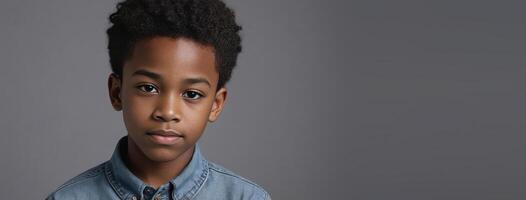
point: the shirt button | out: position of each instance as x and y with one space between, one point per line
134 198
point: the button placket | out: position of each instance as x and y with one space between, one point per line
148 193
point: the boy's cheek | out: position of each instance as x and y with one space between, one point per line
137 107
135 118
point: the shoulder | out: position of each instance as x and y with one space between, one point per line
234 183
81 185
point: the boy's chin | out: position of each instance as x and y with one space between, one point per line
161 154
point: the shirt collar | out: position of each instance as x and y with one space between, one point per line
127 185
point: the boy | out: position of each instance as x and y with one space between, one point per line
170 61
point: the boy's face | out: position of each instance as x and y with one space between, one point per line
167 84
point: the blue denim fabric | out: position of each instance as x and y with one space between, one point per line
201 179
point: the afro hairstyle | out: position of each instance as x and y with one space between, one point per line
209 22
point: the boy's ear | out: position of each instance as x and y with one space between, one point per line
219 103
114 89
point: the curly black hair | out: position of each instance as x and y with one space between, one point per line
208 22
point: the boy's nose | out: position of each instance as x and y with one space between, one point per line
167 109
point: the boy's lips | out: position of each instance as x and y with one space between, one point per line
165 137
167 132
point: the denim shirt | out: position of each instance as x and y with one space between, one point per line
200 179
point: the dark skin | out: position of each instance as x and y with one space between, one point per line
168 83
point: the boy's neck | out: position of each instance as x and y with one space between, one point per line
154 173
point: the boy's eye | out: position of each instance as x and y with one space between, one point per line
148 88
192 94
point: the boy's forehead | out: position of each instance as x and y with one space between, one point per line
157 46
172 57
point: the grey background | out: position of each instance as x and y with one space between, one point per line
331 99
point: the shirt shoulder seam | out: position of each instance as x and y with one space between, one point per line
215 167
87 175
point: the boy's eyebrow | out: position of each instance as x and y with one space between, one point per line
197 80
147 73
156 76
